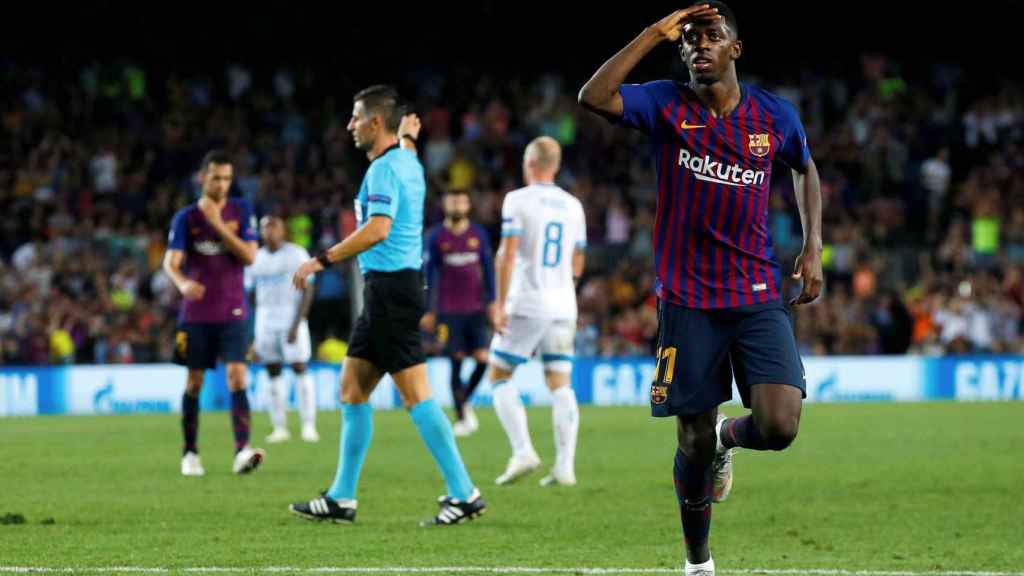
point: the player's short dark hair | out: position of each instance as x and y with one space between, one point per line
384 100
725 12
219 157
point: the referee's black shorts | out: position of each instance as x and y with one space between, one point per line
387 332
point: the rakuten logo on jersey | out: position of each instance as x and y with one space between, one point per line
708 170
461 258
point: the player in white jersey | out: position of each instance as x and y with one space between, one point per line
282 335
543 234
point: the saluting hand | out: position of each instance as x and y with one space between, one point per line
670 27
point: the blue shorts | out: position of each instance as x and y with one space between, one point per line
198 346
700 351
462 332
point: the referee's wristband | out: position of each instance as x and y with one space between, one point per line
323 259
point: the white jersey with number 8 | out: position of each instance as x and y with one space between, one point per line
551 226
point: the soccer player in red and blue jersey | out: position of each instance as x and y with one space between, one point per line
718 282
460 277
211 242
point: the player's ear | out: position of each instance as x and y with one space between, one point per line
737 49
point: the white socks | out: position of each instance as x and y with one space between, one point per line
305 390
512 415
565 415
278 403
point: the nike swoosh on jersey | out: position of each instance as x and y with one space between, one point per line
686 126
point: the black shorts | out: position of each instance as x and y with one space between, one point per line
462 332
699 352
387 332
198 346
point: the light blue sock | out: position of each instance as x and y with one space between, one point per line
436 431
356 432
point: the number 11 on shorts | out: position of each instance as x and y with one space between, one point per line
669 355
660 386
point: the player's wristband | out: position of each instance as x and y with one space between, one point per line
409 137
323 259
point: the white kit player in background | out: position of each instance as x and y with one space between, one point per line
543 234
282 334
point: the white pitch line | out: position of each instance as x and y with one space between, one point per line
479 570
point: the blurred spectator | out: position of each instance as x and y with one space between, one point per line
924 201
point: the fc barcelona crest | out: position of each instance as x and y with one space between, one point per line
659 393
473 243
760 144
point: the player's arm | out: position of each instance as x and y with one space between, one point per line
433 274
243 249
504 262
409 132
487 261
174 259
375 231
301 312
601 93
807 187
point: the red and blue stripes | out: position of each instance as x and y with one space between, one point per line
712 243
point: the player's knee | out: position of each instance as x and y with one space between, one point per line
481 356
274 370
697 440
236 377
779 431
195 382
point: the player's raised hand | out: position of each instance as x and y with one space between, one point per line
209 209
192 290
410 126
301 277
670 27
808 267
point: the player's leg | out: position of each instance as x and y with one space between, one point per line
509 350
358 379
557 354
770 377
298 354
278 405
434 428
477 342
455 383
692 471
692 377
232 344
190 462
192 350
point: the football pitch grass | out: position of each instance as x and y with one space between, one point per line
879 487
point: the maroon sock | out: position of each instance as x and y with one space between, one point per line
240 418
693 490
190 421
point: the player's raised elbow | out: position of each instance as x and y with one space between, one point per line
600 102
589 99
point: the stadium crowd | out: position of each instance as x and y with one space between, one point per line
922 182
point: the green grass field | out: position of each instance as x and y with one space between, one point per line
922 487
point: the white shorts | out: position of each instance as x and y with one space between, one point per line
272 346
554 340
